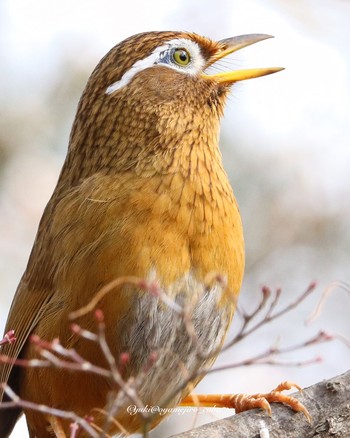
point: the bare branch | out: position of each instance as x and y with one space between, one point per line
18 402
269 315
54 354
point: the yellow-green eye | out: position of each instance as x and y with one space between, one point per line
181 57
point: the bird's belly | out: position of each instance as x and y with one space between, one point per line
170 338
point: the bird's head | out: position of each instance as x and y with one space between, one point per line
152 93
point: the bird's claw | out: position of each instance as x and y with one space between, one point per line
243 402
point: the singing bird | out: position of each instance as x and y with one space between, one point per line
142 193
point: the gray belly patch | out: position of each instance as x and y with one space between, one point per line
181 341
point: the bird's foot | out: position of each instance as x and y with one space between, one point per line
245 402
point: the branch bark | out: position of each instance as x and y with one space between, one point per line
328 403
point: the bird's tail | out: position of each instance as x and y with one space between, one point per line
8 419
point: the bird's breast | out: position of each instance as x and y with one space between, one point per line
131 226
190 224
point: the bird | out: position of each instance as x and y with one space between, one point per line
142 193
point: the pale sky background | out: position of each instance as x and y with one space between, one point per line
287 134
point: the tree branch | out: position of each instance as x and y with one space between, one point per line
328 403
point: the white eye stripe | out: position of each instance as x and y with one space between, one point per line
196 65
139 65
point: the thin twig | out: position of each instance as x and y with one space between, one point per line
18 402
330 289
9 338
269 315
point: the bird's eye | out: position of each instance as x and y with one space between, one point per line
181 57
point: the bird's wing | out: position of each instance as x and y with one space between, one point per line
26 310
64 229
30 300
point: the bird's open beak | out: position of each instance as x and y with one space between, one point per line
231 45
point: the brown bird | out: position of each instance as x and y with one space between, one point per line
142 193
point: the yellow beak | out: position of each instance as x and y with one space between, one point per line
231 45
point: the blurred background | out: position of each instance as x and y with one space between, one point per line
285 141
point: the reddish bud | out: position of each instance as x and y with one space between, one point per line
75 328
89 419
266 291
99 315
324 336
9 338
124 358
154 289
34 339
143 284
153 357
312 285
